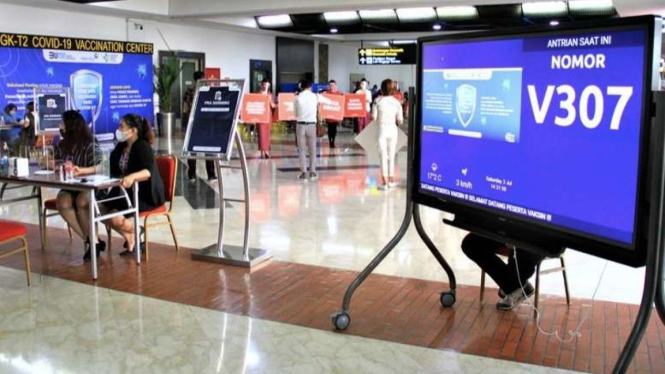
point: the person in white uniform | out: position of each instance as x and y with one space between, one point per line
388 114
306 110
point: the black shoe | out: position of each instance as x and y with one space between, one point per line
210 179
127 252
87 257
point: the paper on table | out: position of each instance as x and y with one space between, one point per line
96 180
369 140
44 172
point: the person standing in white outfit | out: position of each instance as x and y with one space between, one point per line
306 110
388 114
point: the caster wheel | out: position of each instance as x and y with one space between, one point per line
341 320
448 299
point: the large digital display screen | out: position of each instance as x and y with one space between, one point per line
544 127
105 79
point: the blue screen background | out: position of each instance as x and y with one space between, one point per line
29 66
582 179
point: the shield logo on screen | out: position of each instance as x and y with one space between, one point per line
465 103
86 88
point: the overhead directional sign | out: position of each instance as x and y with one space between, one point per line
402 55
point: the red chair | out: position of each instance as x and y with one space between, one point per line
168 168
10 232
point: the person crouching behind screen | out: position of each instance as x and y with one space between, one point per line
513 288
387 113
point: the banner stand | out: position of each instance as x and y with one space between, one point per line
211 132
342 319
232 254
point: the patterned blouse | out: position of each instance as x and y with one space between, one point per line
83 155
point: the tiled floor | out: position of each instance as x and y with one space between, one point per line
60 326
386 308
342 221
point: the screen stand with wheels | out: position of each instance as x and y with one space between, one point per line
655 273
342 319
232 254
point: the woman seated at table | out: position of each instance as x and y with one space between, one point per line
78 145
133 160
9 136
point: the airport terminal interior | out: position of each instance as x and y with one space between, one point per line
187 308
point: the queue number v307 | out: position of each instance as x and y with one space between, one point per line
568 100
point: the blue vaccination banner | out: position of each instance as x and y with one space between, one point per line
105 79
477 103
535 123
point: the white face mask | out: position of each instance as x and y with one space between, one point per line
363 85
120 136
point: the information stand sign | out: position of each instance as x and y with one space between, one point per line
50 104
213 122
210 136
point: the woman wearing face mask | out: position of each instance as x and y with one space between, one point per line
10 134
264 128
363 122
78 145
133 159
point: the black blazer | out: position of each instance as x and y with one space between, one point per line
141 156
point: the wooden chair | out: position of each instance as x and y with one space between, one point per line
168 168
507 252
10 232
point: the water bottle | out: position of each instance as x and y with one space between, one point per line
4 166
106 165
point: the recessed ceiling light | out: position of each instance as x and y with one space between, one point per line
436 27
282 20
457 13
341 17
554 23
378 15
402 42
591 6
416 14
334 30
545 9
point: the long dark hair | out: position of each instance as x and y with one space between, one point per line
141 125
77 132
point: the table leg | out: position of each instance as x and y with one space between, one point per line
93 234
137 229
40 208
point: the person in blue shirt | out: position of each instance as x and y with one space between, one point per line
9 136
